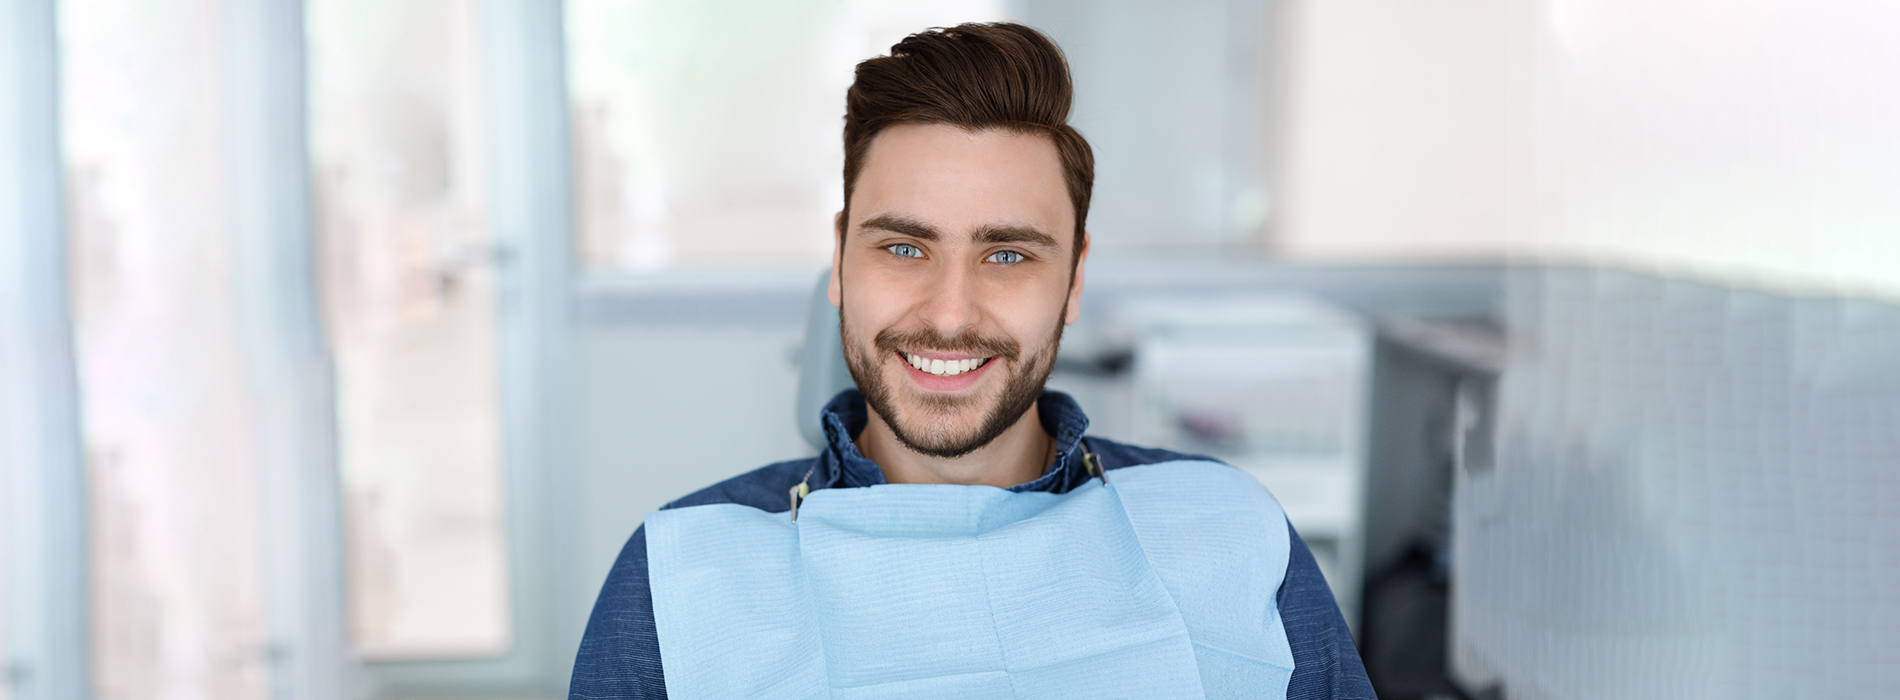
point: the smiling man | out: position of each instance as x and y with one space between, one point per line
960 536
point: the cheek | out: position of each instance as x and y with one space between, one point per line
879 293
869 305
1026 313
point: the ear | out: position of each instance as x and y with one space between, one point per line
833 291
1075 283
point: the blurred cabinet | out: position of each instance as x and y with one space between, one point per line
1274 385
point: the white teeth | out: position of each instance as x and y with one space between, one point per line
943 368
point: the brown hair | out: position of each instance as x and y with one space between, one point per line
975 76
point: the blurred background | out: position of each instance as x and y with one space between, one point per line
343 343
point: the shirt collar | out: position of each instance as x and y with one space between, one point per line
842 466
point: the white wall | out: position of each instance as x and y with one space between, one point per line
1684 500
1750 141
1171 97
1689 496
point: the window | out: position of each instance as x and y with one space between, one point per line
408 284
176 566
710 132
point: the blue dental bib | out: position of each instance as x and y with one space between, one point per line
1160 584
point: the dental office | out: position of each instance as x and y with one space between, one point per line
344 344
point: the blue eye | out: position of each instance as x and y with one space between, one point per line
1006 257
905 250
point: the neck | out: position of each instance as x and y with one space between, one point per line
1017 456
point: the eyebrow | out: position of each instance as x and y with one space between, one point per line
1016 234
995 233
901 225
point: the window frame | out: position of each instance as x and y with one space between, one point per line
42 467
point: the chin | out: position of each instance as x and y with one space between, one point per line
943 422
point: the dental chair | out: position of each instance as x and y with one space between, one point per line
822 372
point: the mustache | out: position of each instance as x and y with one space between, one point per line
893 340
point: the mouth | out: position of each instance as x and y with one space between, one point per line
944 371
945 367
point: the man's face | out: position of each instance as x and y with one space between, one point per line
956 258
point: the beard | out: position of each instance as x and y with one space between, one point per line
936 429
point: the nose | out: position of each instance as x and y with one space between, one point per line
952 306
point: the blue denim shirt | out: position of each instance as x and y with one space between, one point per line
620 652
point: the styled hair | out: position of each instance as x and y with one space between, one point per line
976 76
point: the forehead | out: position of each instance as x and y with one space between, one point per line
959 180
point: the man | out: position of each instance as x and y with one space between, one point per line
959 536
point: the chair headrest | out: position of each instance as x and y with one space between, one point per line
822 373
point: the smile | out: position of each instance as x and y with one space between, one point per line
945 368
